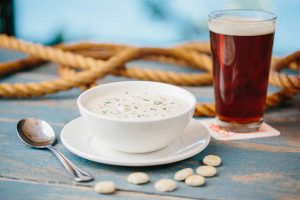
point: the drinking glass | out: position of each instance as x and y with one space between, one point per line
241 45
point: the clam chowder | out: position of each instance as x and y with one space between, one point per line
136 105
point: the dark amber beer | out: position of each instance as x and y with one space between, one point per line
241 48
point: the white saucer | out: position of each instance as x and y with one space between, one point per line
76 138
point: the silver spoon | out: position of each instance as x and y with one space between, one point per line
39 134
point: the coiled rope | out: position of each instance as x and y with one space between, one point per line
82 64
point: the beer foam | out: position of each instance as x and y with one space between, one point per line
241 26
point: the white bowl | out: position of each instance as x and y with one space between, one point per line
140 135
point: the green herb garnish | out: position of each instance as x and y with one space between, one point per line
157 102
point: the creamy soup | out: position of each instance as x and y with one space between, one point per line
136 105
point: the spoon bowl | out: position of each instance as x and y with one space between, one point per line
36 132
39 134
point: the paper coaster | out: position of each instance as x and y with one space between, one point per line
219 134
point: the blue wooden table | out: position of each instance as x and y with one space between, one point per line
265 168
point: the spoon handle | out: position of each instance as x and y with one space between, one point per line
78 174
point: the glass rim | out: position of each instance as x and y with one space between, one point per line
214 15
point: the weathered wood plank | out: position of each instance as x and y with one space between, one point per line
14 189
278 170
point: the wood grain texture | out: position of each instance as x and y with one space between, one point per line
28 190
266 168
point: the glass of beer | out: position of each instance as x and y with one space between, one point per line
241 45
